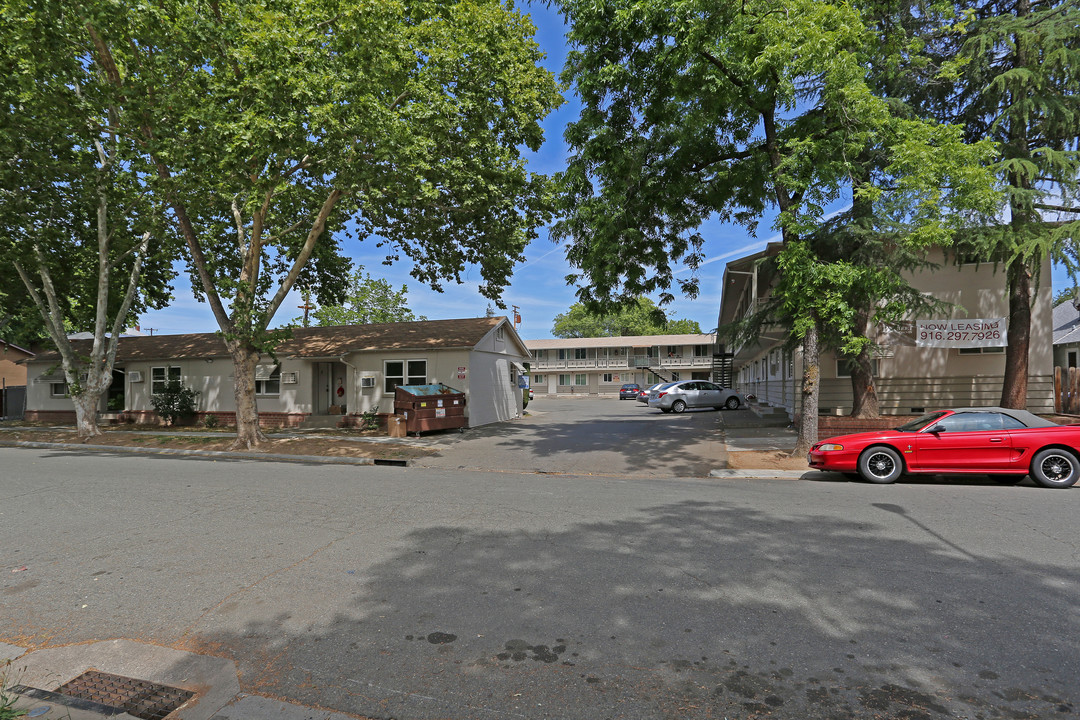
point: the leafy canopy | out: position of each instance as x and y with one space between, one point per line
642 317
368 300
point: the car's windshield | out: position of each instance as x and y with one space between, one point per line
919 423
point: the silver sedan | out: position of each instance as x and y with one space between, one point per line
678 396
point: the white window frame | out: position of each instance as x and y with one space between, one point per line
538 379
169 372
500 333
406 376
264 387
581 379
980 351
607 378
565 379
581 354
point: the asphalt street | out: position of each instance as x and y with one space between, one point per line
448 593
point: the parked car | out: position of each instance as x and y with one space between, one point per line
1005 444
678 396
644 396
629 391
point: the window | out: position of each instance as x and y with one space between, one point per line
1072 358
537 379
500 333
977 422
268 380
674 351
608 378
539 354
58 390
702 350
564 379
674 376
403 372
980 350
159 376
845 366
562 353
581 379
579 353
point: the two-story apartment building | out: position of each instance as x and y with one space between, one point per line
911 374
599 366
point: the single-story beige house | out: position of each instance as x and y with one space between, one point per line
953 359
320 371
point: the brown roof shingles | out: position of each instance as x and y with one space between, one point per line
312 342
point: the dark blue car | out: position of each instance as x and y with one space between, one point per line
629 391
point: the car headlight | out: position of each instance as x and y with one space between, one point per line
830 446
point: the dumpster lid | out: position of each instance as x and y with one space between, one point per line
438 389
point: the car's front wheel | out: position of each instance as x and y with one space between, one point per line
880 465
732 403
1055 468
678 406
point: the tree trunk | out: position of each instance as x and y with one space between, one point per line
1014 384
808 415
245 359
86 406
864 399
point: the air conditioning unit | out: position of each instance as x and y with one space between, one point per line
135 376
367 382
289 378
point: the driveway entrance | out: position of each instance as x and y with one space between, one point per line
594 436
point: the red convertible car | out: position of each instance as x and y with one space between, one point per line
1007 445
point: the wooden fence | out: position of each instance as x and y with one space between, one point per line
1067 390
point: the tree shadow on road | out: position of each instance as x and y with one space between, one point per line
683 610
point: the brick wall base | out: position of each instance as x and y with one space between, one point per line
268 420
829 426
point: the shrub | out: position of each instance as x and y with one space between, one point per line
175 402
210 422
370 419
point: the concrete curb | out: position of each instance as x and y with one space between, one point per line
766 474
222 454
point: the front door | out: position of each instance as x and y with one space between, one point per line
323 390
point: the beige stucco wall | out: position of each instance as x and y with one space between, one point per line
12 374
910 377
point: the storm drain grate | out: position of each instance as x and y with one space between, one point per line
142 699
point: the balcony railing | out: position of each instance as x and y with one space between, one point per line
638 361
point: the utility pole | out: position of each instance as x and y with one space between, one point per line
517 316
306 306
151 331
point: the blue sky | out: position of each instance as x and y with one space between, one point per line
538 287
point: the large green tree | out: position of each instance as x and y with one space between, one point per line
641 317
1018 81
368 300
78 231
695 109
277 128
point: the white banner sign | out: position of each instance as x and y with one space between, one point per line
970 333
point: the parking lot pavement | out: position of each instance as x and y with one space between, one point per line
593 436
759 438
